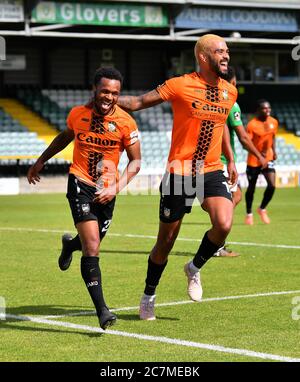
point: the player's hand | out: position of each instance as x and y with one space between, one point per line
232 174
33 172
105 195
264 162
274 156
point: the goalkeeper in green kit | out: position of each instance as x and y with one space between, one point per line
235 126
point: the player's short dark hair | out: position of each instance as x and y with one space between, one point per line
261 101
230 74
110 73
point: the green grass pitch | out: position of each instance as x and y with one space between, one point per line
259 327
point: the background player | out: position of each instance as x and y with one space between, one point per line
262 130
101 131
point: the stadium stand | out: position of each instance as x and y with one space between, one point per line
24 136
50 106
16 139
288 115
155 125
55 104
9 124
21 143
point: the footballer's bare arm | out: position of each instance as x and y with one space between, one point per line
58 144
133 103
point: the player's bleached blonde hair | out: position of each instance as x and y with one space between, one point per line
203 43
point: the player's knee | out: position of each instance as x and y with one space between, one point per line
91 247
167 241
224 226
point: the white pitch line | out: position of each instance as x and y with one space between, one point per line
195 240
172 341
184 302
22 229
265 245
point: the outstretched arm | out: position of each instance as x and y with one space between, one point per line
133 103
246 142
58 144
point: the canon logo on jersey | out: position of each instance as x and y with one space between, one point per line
218 109
95 140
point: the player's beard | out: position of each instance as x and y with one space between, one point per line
98 108
216 68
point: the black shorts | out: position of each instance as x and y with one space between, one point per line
177 193
253 172
80 196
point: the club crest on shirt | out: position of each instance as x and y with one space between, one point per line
85 208
112 127
237 116
269 126
225 94
167 212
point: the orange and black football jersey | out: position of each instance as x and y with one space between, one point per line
200 111
99 142
262 134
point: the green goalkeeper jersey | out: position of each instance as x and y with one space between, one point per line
234 119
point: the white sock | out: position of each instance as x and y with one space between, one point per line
219 250
147 297
192 268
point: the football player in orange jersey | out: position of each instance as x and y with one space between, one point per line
201 102
262 130
101 130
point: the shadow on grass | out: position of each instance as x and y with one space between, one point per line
128 252
10 324
47 310
136 317
207 224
